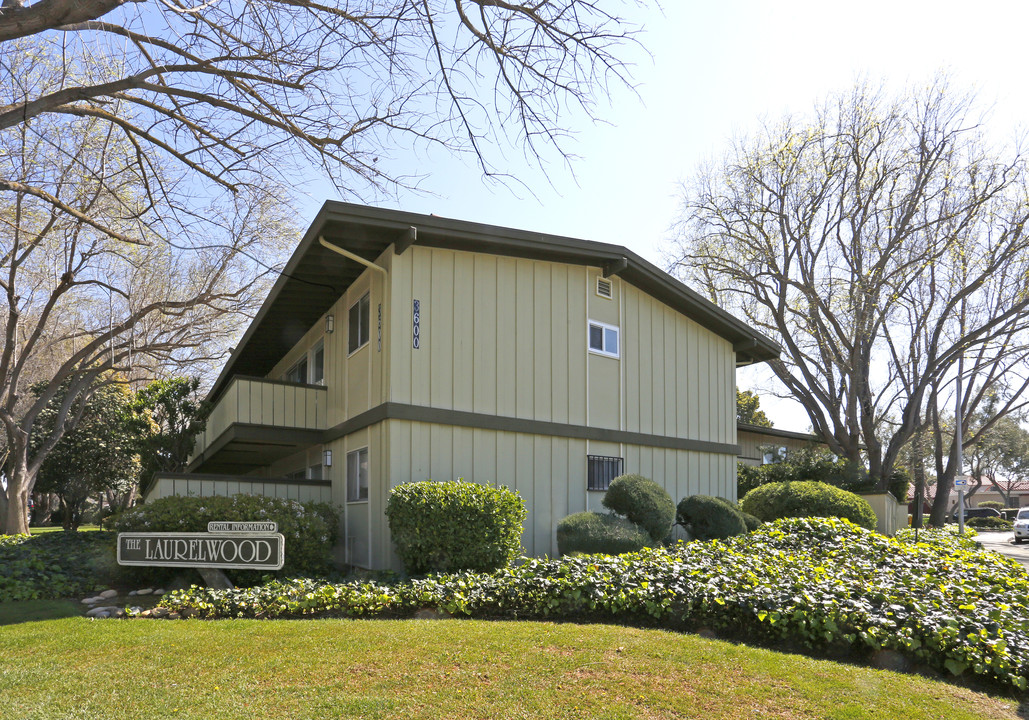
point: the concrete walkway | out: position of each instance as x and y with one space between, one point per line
1004 543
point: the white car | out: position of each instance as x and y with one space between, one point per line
1022 525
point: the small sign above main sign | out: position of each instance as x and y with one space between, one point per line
242 527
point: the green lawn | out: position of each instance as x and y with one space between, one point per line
76 668
58 528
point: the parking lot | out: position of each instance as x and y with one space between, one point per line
1003 542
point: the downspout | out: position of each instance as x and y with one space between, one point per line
352 256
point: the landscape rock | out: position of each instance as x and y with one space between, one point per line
108 594
88 601
102 611
160 612
145 591
132 592
159 591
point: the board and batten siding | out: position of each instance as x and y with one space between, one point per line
548 472
508 336
201 486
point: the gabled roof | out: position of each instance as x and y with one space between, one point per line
315 277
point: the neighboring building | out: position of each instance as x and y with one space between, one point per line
399 347
762 445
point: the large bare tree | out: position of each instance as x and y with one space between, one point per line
100 271
149 151
879 241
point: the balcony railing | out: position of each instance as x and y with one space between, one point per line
267 403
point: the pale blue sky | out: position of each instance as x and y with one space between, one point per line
717 67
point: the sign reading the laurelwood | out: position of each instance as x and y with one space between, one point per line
232 550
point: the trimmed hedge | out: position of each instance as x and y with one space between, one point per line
55 564
823 584
310 529
450 526
710 518
807 499
990 523
591 532
644 502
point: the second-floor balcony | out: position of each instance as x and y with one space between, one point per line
256 422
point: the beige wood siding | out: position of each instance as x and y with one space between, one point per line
549 473
355 382
752 445
201 486
254 402
508 336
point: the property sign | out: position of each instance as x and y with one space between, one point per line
960 482
242 527
231 550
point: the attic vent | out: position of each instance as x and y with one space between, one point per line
603 287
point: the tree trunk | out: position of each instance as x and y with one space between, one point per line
19 485
918 471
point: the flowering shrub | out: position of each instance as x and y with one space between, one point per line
820 583
310 529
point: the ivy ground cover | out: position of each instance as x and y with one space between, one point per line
821 584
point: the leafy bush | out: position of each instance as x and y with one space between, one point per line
819 465
809 464
752 521
449 526
989 523
55 564
644 502
807 499
590 532
991 504
310 529
824 584
710 518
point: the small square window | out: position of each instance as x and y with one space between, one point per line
357 475
360 319
601 470
603 339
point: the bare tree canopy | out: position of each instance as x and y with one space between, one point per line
149 152
879 242
227 87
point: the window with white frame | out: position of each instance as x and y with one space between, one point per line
357 475
359 321
603 338
310 368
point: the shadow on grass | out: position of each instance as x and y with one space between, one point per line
12 613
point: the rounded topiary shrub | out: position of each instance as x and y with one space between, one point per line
991 504
309 529
451 526
644 502
752 522
710 518
989 523
591 532
807 499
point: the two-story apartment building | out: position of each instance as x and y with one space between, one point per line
398 347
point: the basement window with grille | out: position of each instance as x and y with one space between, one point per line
601 470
